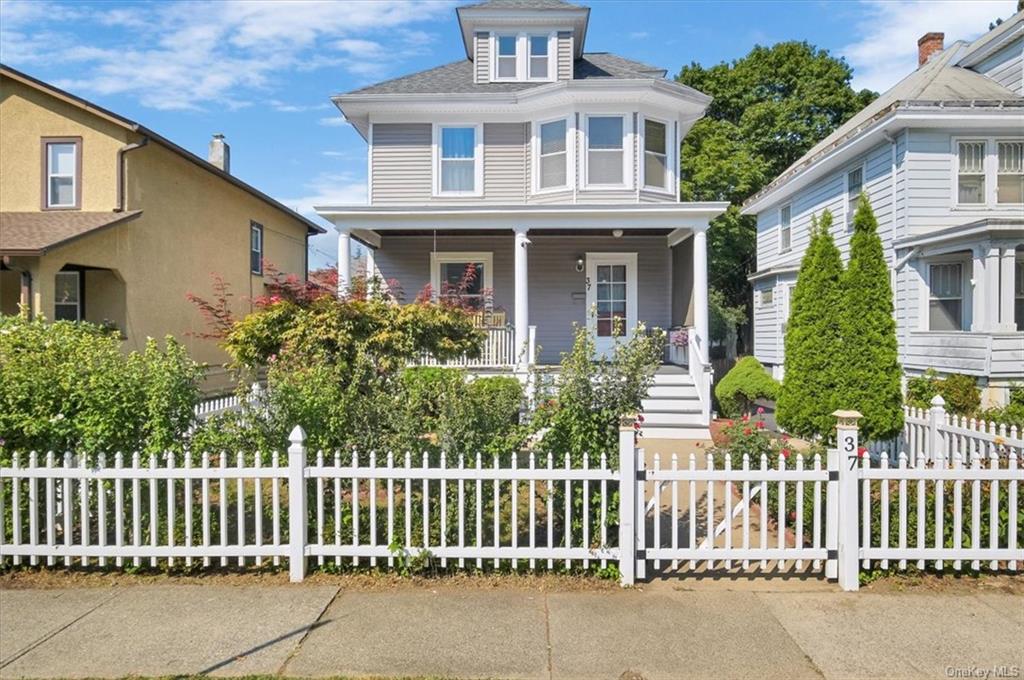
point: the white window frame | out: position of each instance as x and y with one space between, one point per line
671 159
628 148
50 175
523 55
77 275
570 154
448 257
256 228
966 291
478 160
789 228
991 171
766 296
848 213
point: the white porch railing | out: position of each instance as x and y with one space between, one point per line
700 371
498 351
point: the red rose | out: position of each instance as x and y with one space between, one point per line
746 430
729 423
640 418
760 424
785 453
760 410
746 418
785 437
792 515
861 450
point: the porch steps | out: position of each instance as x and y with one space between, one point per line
672 409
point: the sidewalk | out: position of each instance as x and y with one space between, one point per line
661 631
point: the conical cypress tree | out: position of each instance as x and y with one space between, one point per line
871 369
813 341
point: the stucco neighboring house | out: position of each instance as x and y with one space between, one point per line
941 157
554 171
104 220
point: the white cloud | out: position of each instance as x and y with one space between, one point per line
190 55
285 107
638 35
332 121
886 49
327 189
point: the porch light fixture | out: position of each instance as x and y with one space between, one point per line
579 263
617 233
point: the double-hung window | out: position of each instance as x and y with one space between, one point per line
539 58
256 248
945 297
62 167
67 296
656 168
970 180
1010 172
854 185
553 155
606 150
506 57
465 278
459 162
785 228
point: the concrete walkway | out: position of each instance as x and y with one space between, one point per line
662 631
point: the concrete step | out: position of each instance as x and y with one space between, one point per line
672 392
682 432
671 405
673 419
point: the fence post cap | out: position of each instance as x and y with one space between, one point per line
298 435
847 418
937 400
627 423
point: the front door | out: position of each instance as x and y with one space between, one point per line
611 297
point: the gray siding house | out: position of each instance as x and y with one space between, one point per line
553 172
941 157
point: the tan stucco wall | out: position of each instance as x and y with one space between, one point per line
10 292
194 224
27 115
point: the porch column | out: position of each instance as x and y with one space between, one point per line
979 317
344 258
522 299
700 288
371 265
1007 271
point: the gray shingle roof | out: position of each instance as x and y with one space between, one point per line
522 4
457 77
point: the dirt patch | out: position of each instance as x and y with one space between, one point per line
948 584
362 580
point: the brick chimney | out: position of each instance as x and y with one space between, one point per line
927 45
220 153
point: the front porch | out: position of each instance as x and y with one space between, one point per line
549 270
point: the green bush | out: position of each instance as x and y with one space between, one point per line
68 387
482 416
921 389
425 389
741 386
960 392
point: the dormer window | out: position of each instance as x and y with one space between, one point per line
522 56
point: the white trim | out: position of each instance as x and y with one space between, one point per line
369 166
671 159
478 159
789 247
847 212
628 145
991 173
570 155
632 310
438 258
522 55
73 175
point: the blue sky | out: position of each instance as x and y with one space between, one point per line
261 71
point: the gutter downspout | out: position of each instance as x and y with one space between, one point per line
121 171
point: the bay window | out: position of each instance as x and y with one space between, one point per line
945 297
1010 172
970 173
606 150
553 155
656 168
459 161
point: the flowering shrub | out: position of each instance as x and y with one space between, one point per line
679 338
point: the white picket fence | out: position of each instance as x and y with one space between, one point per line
516 511
933 433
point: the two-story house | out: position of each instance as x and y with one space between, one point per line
104 220
941 157
553 172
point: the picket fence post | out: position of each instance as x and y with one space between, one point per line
847 529
832 514
297 518
627 504
936 417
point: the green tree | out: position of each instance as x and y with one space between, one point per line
813 344
769 108
871 371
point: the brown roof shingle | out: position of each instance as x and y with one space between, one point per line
34 233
